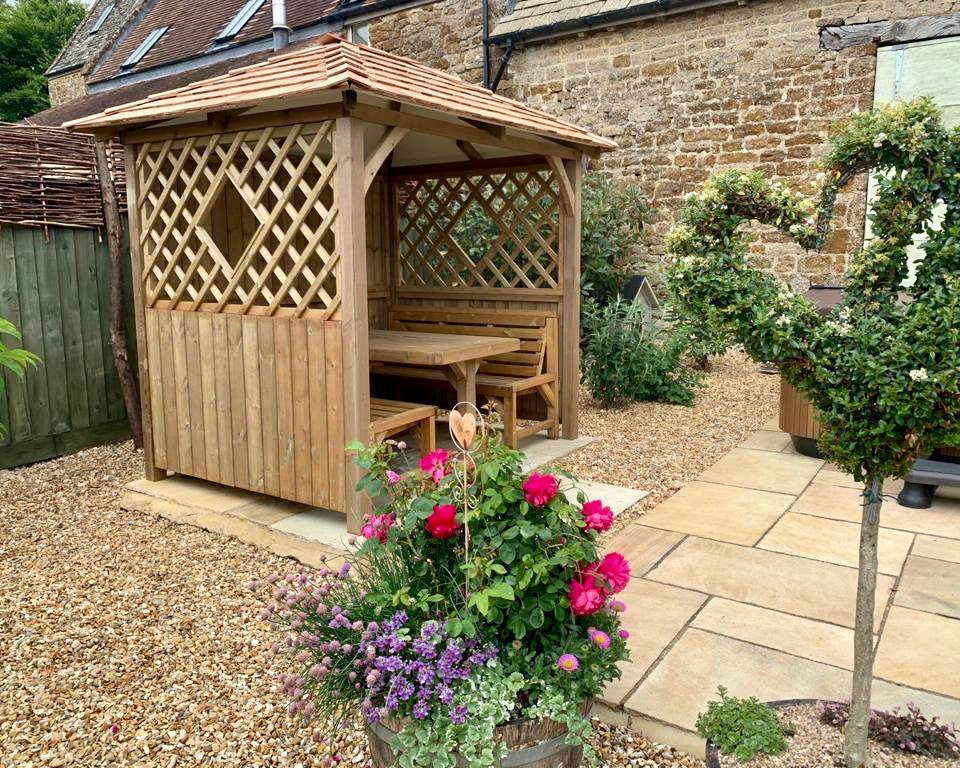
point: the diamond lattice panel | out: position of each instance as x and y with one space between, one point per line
197 195
480 231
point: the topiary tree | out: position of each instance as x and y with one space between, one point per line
883 369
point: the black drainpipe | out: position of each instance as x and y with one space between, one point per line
502 69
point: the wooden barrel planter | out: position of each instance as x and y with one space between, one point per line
531 744
798 418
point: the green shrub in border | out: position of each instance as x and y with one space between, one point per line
742 727
13 359
627 357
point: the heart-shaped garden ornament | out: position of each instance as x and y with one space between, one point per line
463 428
883 370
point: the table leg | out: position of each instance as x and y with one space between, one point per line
465 380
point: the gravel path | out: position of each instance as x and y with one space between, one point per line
658 447
131 641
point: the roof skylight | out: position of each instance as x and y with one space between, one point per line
239 21
101 18
144 47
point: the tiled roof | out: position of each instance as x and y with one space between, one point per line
530 16
336 65
193 26
83 47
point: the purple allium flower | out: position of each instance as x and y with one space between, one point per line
568 662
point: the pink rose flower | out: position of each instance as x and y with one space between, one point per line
377 527
435 464
585 596
442 523
392 477
539 489
596 516
615 570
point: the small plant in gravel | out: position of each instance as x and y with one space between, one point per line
478 596
909 731
628 357
883 370
742 727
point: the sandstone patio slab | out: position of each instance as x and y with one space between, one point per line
686 680
930 585
642 546
920 650
797 636
937 548
722 512
618 498
834 541
839 503
764 470
672 607
787 583
767 440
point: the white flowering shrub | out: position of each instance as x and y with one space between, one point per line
882 369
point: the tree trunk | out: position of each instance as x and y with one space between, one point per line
855 753
118 322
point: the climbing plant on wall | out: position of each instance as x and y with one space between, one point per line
883 370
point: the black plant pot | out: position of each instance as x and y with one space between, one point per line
713 753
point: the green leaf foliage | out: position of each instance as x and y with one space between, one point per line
742 727
13 359
32 32
883 370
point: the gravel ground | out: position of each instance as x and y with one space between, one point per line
815 745
658 447
131 641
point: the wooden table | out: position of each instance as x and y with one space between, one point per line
458 356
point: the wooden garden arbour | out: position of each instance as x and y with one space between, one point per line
278 211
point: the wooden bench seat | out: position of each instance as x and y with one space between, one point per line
391 417
534 368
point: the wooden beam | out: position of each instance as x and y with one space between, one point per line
497 131
570 330
352 287
391 138
836 37
243 122
567 193
490 165
432 126
150 470
469 150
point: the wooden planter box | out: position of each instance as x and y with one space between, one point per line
798 418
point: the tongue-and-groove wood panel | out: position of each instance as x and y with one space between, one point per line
251 402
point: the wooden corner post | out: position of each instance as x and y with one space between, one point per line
150 470
352 288
572 172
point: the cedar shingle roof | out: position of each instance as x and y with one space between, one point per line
83 47
337 65
193 26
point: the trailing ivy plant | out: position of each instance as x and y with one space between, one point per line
883 370
13 359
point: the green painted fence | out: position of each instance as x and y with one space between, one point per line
54 286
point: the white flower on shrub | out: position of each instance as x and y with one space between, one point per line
783 320
919 374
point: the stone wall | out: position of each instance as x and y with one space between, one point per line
688 95
67 87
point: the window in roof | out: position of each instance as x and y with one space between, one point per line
359 33
101 18
144 47
237 22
